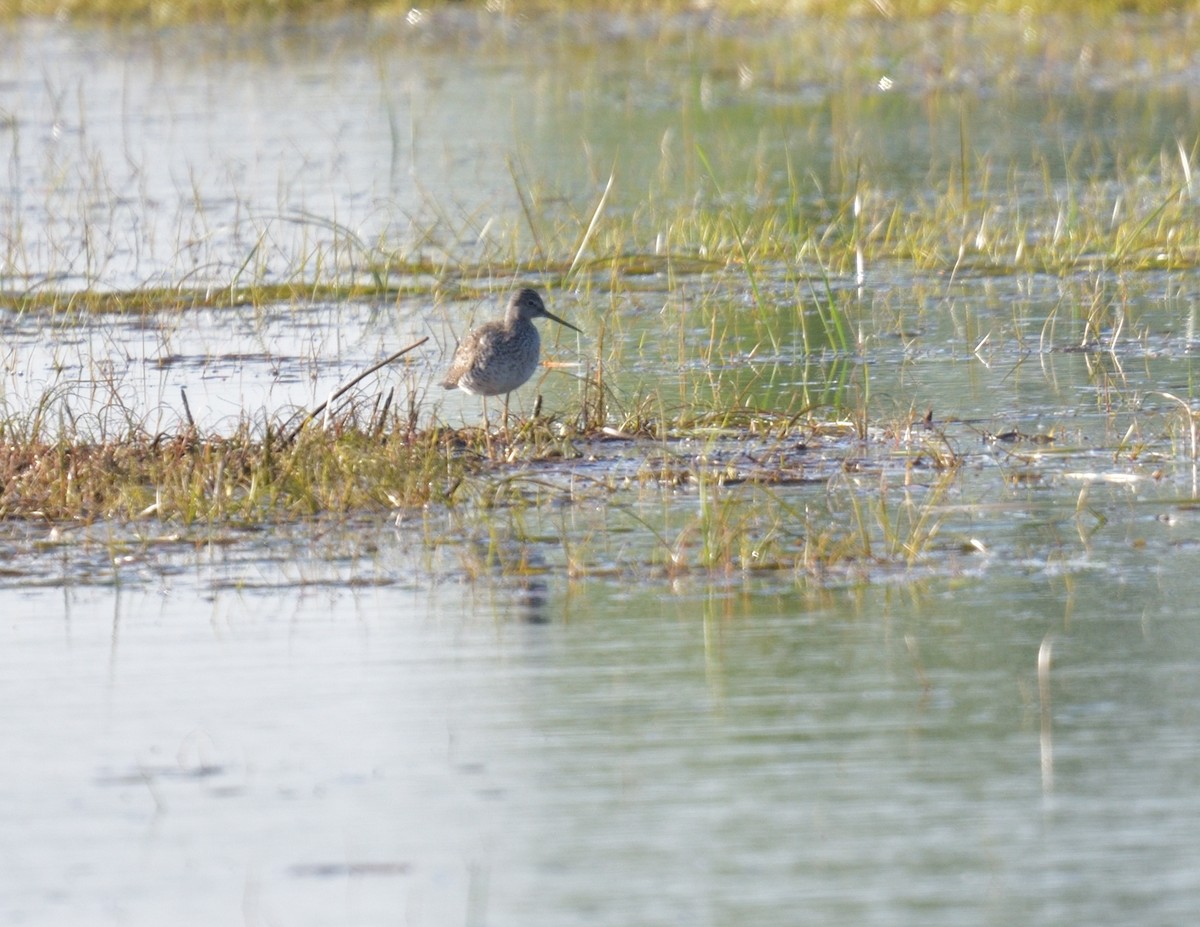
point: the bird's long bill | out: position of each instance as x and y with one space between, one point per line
551 315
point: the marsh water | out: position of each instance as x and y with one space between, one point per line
374 721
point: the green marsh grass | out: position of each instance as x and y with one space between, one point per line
695 290
727 264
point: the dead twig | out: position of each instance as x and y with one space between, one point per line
341 390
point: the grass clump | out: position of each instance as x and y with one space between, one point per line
1142 220
244 477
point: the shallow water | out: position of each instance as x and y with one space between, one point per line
586 753
381 720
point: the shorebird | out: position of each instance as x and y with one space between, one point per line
499 356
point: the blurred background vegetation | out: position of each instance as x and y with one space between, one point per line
164 11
